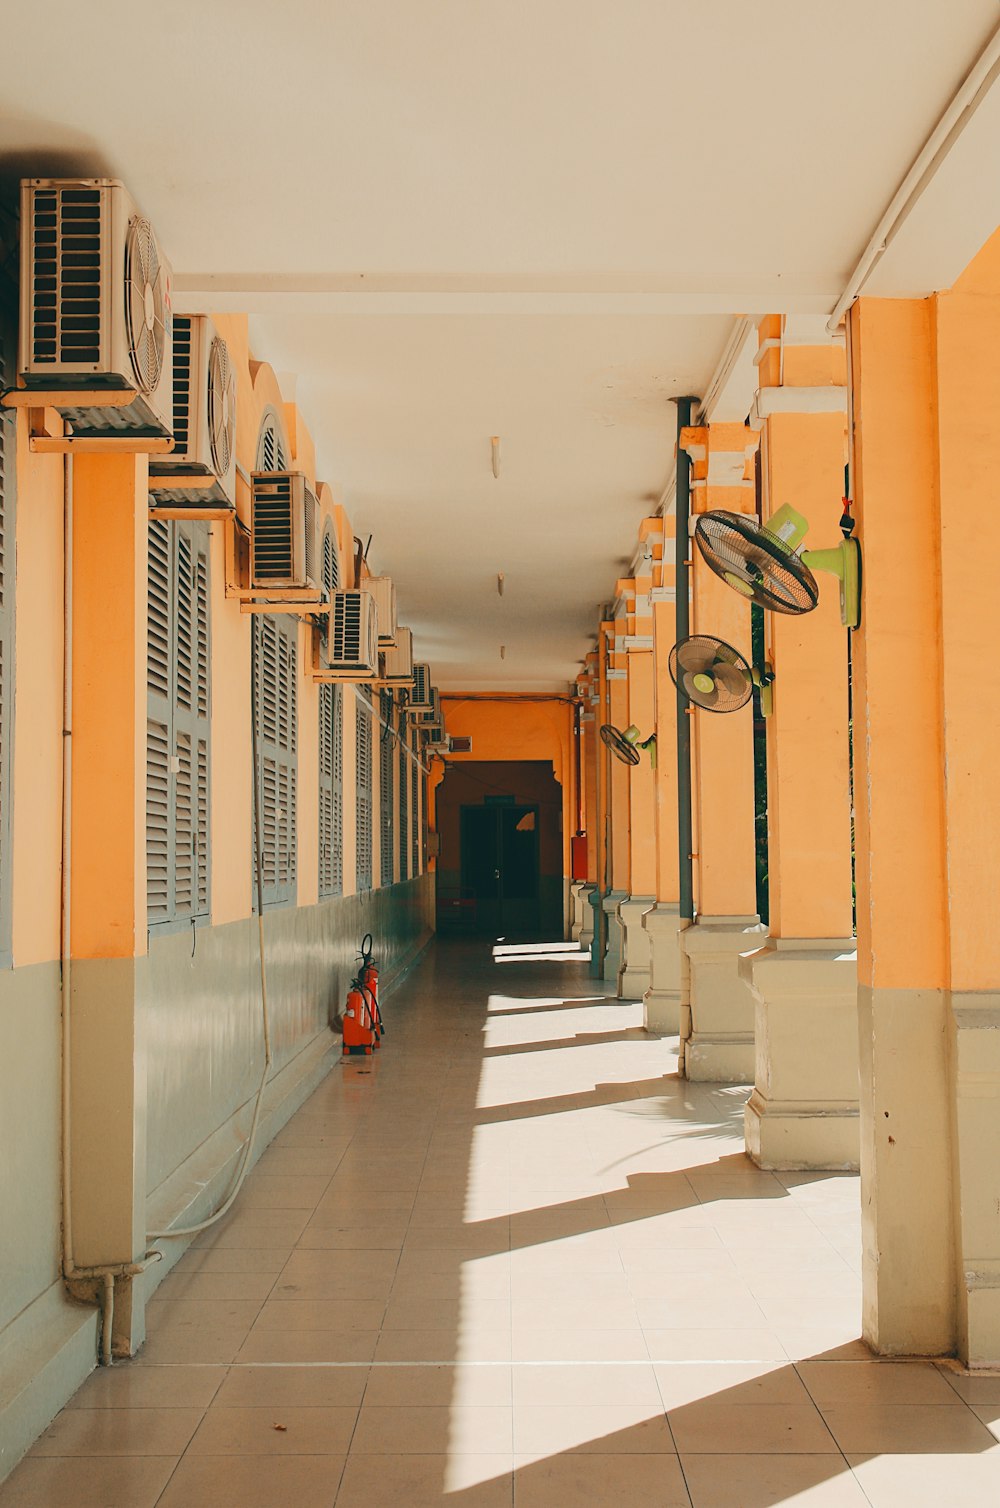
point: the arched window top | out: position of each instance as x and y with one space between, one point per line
272 448
331 560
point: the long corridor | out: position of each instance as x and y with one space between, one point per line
512 1259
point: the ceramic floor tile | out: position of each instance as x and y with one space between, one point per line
593 1480
305 1346
735 1382
119 1432
439 1386
896 1429
294 1387
542 1430
890 1382
98 1482
215 1287
425 1481
763 1481
928 1480
723 1423
127 1386
586 1384
254 1482
413 1429
275 1429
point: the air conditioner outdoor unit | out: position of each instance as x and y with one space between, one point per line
437 738
432 714
420 696
198 477
96 318
351 650
384 592
397 663
284 554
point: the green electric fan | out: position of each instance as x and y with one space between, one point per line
766 564
716 677
625 744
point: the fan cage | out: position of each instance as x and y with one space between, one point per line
756 563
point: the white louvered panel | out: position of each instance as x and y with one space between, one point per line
363 747
184 602
158 821
269 821
201 829
158 608
183 829
201 633
385 793
414 813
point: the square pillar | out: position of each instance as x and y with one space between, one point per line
717 1036
804 1109
108 896
927 451
661 1001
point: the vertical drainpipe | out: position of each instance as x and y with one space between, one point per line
601 755
682 574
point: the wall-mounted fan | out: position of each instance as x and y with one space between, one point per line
626 745
765 564
716 677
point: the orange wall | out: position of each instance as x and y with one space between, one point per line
504 727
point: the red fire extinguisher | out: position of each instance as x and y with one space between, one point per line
368 979
359 1029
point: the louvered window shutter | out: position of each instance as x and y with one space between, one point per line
331 753
404 803
385 790
274 646
364 788
178 722
8 326
415 809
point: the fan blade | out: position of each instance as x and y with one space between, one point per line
731 678
696 654
700 698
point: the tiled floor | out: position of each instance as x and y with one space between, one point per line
514 1260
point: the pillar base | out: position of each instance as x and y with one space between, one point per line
719 1048
592 935
579 912
803 1112
613 957
661 1002
633 975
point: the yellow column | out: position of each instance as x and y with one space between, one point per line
618 802
927 697
717 1035
661 1000
108 899
633 975
803 1112
584 929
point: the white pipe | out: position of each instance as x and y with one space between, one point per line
65 948
969 96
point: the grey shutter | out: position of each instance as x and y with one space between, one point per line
415 809
177 722
385 790
331 753
274 645
8 326
363 747
404 804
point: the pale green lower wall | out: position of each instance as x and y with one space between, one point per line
200 1018
202 1007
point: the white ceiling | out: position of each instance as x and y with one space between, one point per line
536 219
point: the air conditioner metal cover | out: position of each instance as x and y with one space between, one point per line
397 663
353 642
96 307
420 696
199 474
283 546
384 592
